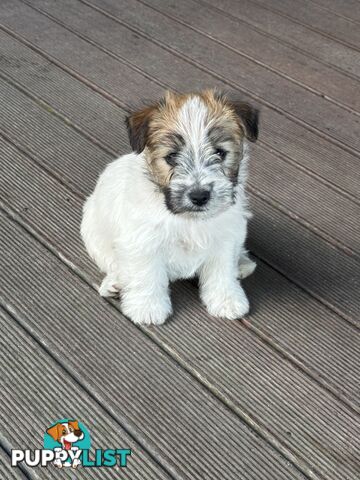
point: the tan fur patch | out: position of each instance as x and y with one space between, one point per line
163 124
155 127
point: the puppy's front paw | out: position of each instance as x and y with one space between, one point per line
230 305
153 312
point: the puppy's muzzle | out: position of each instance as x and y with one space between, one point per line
199 197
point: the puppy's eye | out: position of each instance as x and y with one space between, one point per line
220 152
171 159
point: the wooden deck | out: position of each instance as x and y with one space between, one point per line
273 397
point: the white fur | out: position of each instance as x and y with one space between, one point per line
141 246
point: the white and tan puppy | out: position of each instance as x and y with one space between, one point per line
176 207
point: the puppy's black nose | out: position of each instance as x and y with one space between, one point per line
199 197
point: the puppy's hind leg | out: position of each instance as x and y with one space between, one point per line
246 266
110 286
96 237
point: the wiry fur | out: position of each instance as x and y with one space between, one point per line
140 226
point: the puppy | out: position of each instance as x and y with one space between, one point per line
175 207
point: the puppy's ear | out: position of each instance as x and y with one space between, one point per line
54 431
74 424
249 119
138 127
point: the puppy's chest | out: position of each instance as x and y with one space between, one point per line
184 256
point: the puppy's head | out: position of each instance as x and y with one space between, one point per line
194 145
66 432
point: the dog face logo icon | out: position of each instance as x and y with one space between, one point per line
67 438
66 433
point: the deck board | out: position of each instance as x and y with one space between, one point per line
349 9
5 469
322 48
315 17
278 132
281 94
147 392
275 395
259 48
39 375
